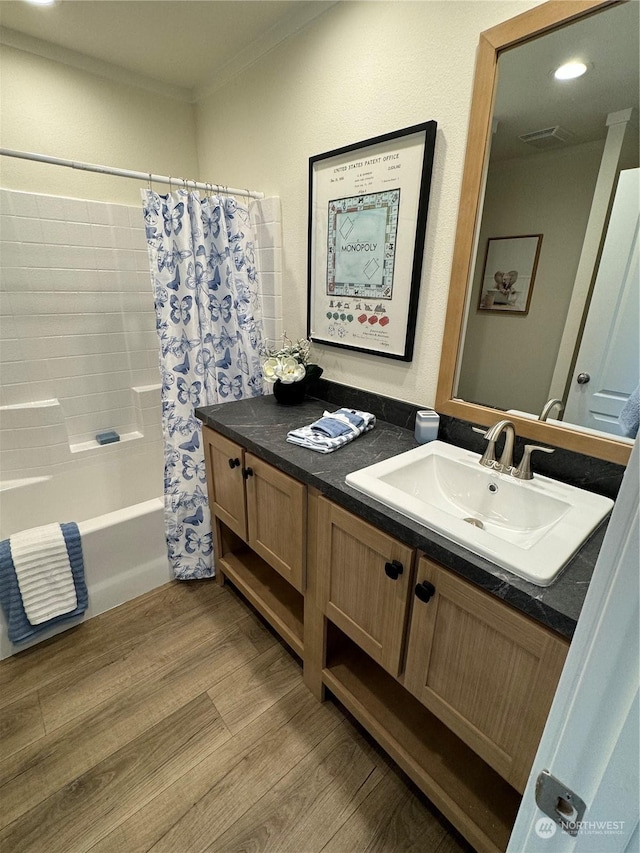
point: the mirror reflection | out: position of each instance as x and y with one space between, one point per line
563 177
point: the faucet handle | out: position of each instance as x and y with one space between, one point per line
523 471
489 456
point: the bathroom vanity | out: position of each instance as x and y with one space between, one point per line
449 662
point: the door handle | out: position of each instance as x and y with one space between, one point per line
234 463
583 378
393 569
247 472
425 591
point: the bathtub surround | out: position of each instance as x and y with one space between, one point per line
77 316
79 356
266 216
204 274
78 348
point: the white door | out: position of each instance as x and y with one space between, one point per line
607 369
590 742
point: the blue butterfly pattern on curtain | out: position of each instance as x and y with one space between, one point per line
208 318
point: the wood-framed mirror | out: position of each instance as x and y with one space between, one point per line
470 254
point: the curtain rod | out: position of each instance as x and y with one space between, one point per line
127 173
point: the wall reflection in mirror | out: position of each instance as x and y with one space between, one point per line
563 164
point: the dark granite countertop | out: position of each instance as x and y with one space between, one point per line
261 425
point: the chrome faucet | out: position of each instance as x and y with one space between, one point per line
494 432
548 406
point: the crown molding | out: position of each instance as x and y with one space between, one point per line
98 67
302 14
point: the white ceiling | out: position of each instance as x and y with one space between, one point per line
183 45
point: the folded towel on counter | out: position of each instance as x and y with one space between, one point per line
332 430
52 583
630 415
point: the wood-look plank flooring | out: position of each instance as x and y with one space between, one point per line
178 723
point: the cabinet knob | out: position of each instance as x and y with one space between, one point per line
234 463
247 472
393 569
425 591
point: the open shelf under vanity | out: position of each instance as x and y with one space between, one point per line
465 789
272 596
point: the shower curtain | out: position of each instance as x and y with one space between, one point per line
209 323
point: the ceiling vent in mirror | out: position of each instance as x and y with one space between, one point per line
550 137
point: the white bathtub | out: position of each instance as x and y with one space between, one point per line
124 550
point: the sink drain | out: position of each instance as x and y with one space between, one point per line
475 522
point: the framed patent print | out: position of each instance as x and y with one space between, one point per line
368 206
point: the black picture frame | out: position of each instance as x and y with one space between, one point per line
368 209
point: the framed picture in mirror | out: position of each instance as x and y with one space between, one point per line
509 274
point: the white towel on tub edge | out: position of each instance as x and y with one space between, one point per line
43 571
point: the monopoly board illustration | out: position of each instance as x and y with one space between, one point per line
362 244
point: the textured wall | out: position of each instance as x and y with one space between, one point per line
54 109
359 70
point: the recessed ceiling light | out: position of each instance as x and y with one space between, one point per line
41 2
570 70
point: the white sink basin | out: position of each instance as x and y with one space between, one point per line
529 527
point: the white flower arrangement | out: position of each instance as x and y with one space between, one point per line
290 363
287 370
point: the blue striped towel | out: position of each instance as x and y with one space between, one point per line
332 430
19 627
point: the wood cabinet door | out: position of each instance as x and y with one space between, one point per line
225 463
277 519
487 671
364 577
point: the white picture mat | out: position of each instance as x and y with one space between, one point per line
375 168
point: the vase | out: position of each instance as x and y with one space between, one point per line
289 394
